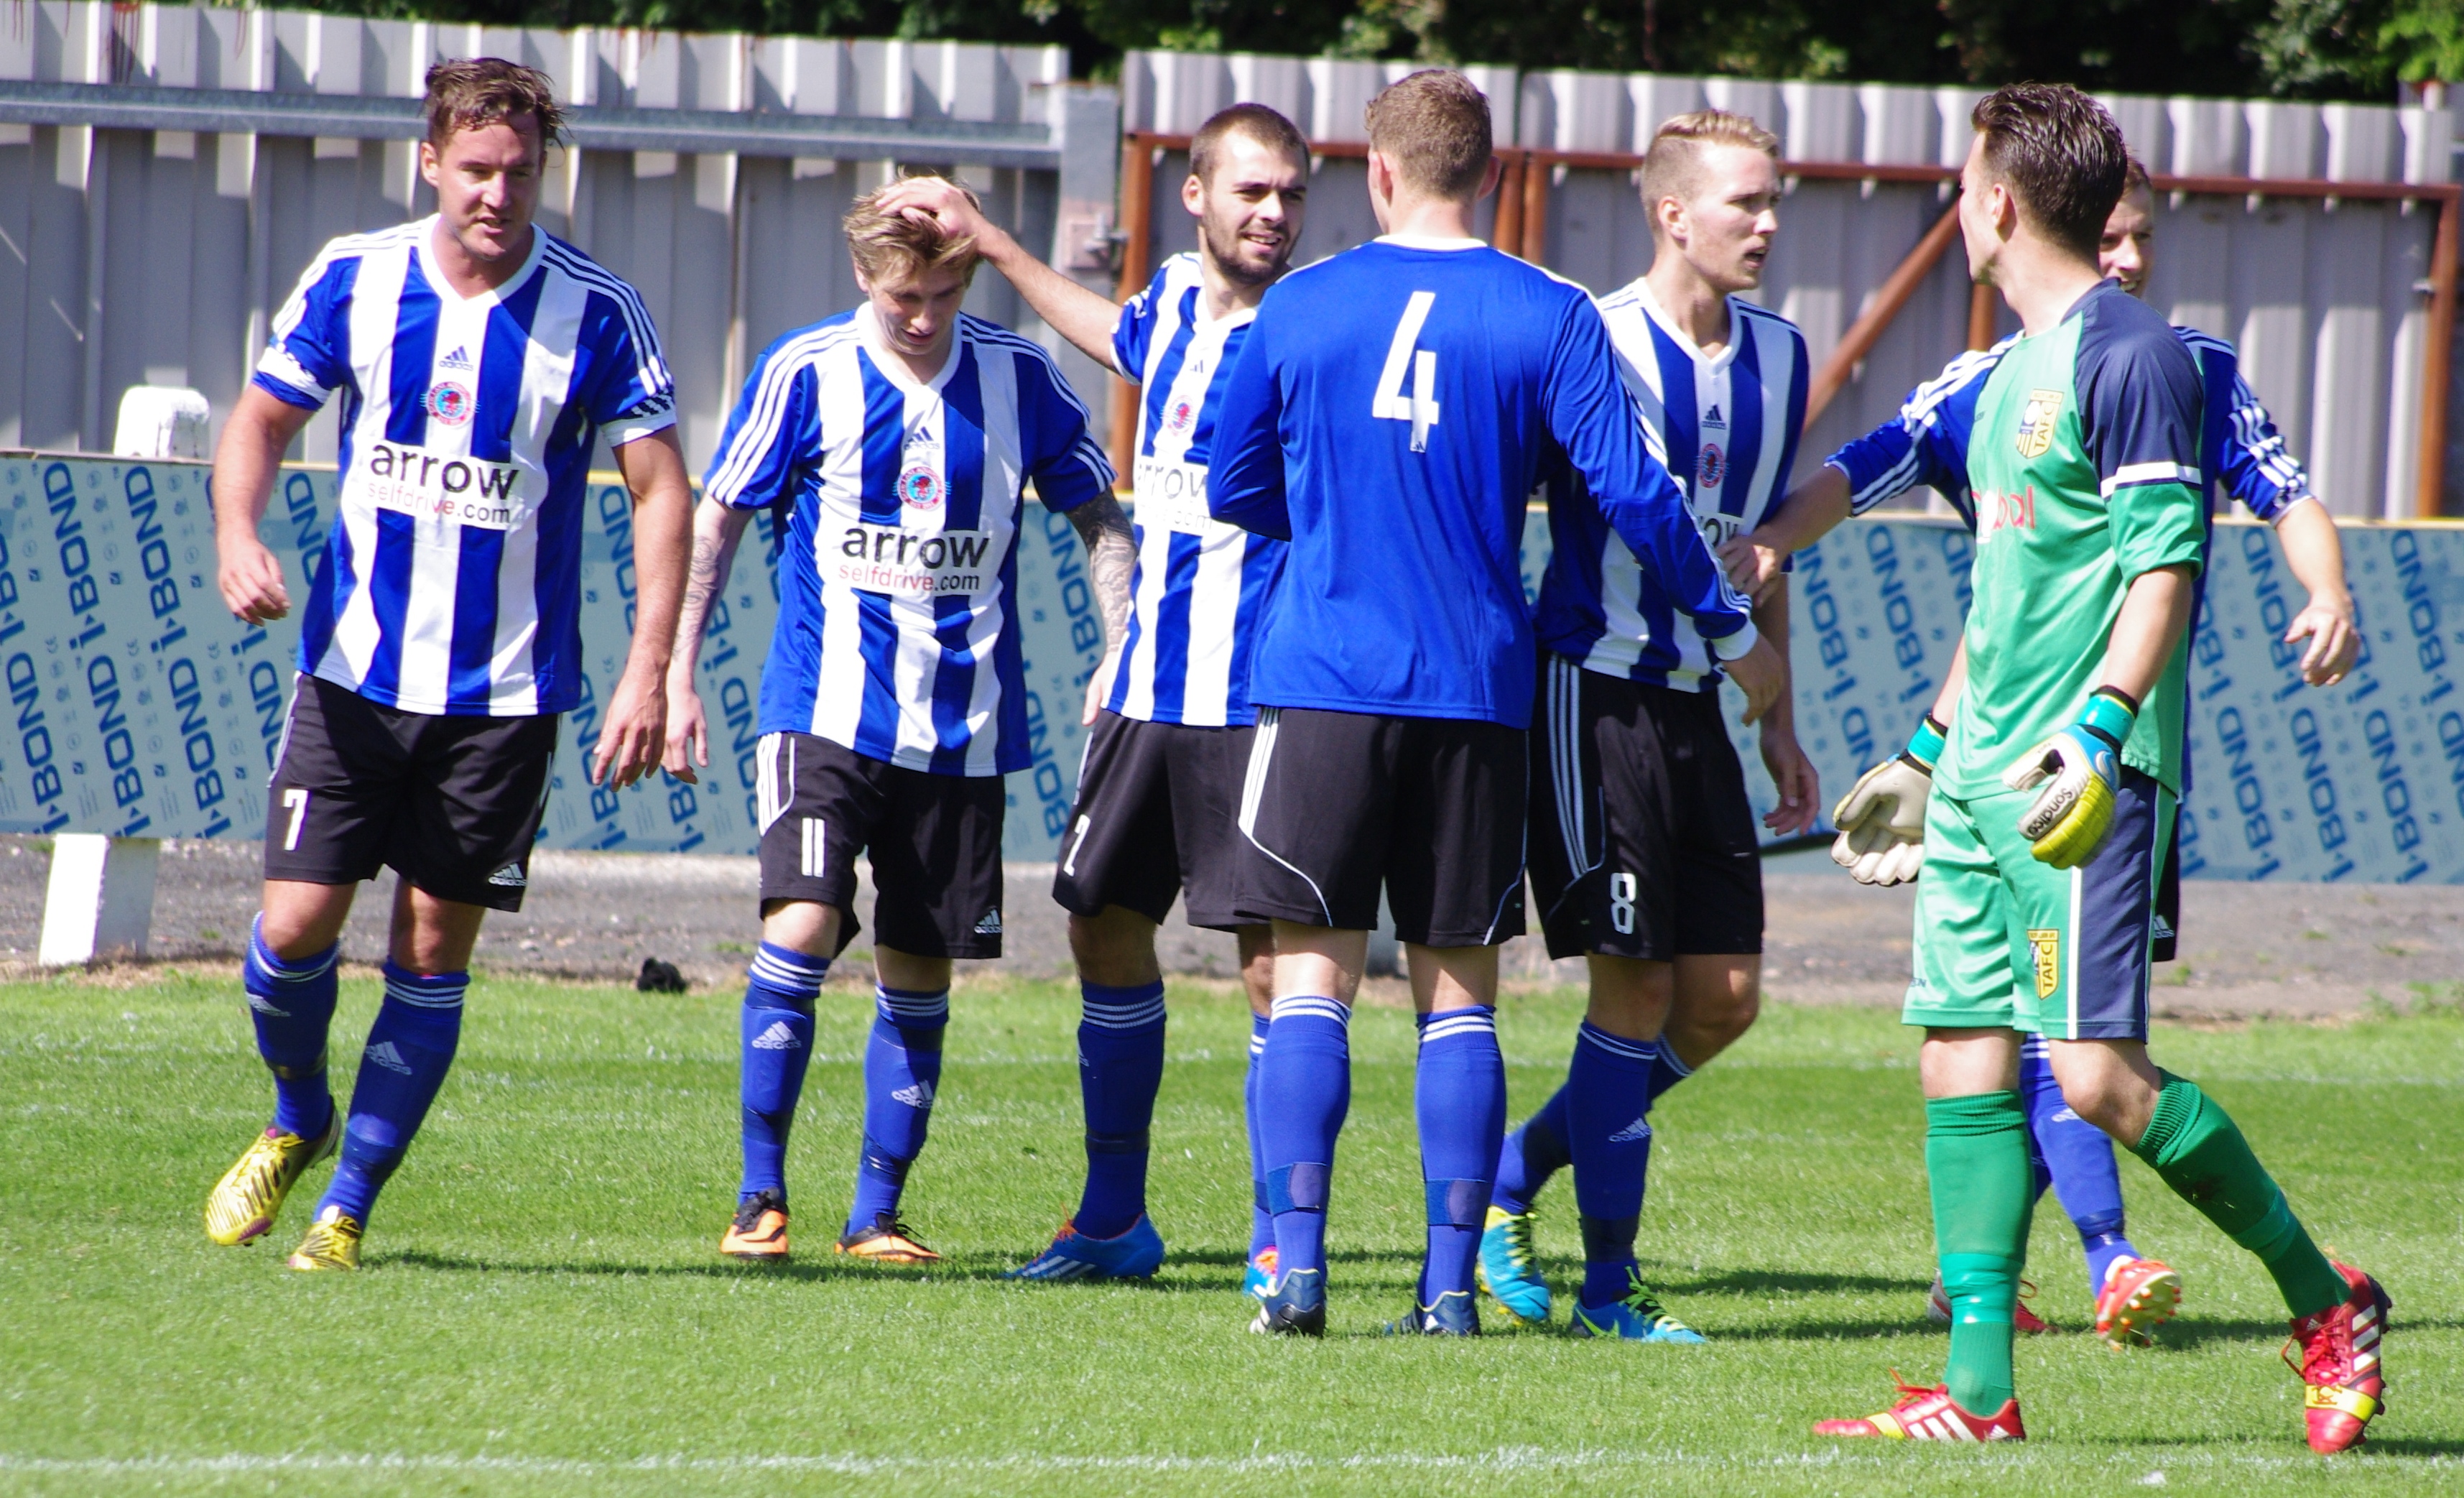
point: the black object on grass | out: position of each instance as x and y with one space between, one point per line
659 977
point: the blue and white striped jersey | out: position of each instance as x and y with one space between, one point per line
2239 447
1200 582
1726 425
896 636
452 582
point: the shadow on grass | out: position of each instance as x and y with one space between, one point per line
1400 1269
2191 1332
1792 1282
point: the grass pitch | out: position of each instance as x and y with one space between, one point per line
542 1310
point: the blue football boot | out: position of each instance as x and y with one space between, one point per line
1508 1269
1636 1316
1133 1255
1294 1305
1260 1273
1453 1315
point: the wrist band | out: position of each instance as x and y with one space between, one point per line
1925 745
2110 714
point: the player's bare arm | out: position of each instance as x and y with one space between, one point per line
246 460
2154 613
1112 555
635 733
716 531
1792 773
2315 555
1084 318
1813 510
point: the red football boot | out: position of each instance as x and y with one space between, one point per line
1928 1415
2138 1296
2344 1386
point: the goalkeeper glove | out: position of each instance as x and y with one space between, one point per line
2078 768
1882 819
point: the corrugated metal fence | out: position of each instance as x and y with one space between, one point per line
2327 298
157 253
137 255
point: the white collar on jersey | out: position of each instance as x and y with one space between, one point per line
1431 242
1677 330
868 326
436 277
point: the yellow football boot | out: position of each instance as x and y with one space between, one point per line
243 1203
333 1243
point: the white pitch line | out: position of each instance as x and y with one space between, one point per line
1505 1460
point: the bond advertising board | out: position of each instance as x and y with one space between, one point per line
139 707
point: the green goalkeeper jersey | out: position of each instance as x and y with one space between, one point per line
2084 462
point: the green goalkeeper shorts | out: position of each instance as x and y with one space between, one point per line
2002 940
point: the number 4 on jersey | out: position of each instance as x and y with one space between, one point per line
1420 407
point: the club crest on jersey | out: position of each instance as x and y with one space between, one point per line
1711 467
2037 422
919 488
2047 945
1182 414
450 403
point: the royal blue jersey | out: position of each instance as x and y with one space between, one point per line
1200 582
2240 450
1727 423
452 582
896 634
1390 414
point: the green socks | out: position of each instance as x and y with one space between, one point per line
1976 1160
2193 1143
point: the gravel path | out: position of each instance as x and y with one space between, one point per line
2247 947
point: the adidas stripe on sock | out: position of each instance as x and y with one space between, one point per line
902 1075
777 1028
1304 1091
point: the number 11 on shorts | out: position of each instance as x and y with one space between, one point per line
296 799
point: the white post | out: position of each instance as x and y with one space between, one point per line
102 898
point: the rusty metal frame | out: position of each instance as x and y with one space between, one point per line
1521 228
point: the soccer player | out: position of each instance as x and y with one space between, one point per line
2240 450
1159 788
1389 413
1643 854
893 700
2053 786
478 360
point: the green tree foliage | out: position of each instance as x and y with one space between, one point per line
2316 49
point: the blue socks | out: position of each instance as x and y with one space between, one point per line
780 988
1120 1066
1532 1153
1304 1091
1460 1098
409 1049
1262 1223
1608 1101
1541 1147
2079 1158
293 1007
902 1070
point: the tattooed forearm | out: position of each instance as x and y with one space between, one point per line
716 530
1112 555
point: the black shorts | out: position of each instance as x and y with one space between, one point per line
449 803
936 843
1336 805
1156 817
1642 840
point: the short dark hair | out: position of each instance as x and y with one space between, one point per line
471 92
2061 156
2134 179
1434 126
1257 123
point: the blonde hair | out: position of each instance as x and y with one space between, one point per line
1673 167
894 248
